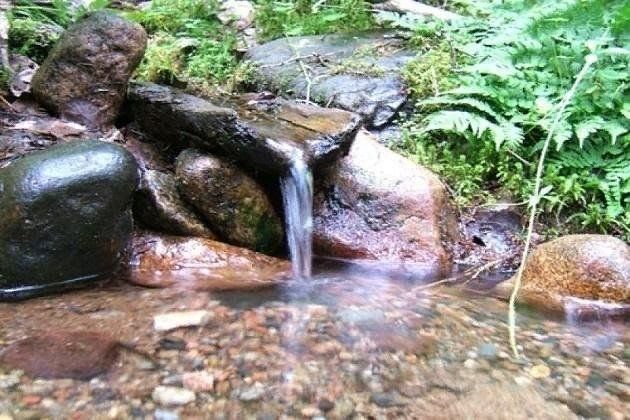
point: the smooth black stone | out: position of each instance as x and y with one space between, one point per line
66 217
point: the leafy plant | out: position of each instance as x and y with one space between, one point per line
277 18
512 69
35 27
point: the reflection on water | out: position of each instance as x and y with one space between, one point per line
345 344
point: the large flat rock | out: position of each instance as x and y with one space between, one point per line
201 264
260 133
358 73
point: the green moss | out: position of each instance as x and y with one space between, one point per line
428 73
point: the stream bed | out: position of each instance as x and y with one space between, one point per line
345 344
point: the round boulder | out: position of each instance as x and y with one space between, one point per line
66 217
588 267
84 78
234 204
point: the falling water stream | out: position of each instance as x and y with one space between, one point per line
297 196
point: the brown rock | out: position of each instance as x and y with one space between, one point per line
62 354
376 205
158 205
260 132
233 203
201 264
590 267
85 76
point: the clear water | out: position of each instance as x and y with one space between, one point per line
297 197
348 343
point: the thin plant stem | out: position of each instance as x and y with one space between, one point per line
535 198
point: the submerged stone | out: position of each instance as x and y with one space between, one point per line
62 354
66 217
359 73
84 78
376 205
260 133
233 203
201 264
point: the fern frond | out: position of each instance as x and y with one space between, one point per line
466 123
476 104
586 128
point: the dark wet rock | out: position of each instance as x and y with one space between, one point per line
496 230
62 354
23 133
85 76
201 264
376 205
148 155
157 202
232 202
356 73
15 144
158 205
260 133
66 217
588 267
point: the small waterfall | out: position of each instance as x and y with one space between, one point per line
297 196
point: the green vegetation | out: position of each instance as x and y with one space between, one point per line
276 19
486 87
187 44
482 127
35 27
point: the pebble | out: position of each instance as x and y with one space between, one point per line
540 371
10 380
387 399
253 393
165 415
198 381
173 320
310 412
169 395
522 381
488 351
470 364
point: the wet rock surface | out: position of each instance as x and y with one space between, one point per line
85 76
201 264
21 134
62 354
159 206
358 73
300 352
587 267
66 217
260 133
232 202
376 205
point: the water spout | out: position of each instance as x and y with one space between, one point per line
297 196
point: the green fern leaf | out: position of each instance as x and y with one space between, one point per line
615 129
586 128
468 102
